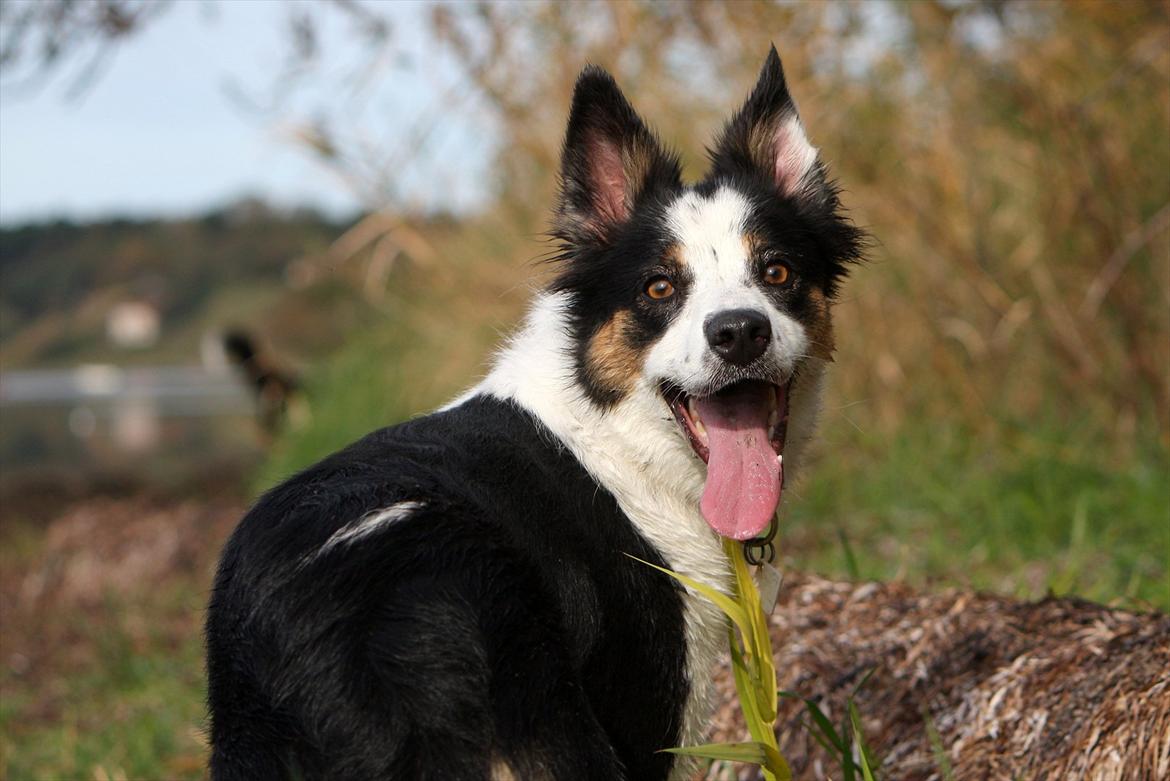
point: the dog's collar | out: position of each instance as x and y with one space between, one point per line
761 550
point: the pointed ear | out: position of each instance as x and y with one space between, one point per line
766 137
610 160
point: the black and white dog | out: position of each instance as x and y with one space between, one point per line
451 598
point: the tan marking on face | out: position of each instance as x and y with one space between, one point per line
751 245
819 326
612 361
676 265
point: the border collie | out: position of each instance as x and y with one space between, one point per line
451 597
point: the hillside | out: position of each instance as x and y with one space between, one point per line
62 281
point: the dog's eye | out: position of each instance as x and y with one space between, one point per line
776 273
659 288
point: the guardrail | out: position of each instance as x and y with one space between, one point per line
172 390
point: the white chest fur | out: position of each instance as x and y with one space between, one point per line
636 452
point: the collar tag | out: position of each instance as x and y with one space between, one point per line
768 582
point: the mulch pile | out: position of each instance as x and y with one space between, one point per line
1056 689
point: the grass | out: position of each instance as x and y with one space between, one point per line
847 746
1027 512
101 677
127 703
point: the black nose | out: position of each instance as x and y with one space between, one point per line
739 336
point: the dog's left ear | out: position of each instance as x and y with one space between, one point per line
766 137
610 161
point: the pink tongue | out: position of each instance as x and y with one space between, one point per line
743 475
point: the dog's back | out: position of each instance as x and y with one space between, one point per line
442 598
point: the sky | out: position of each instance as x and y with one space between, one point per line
159 133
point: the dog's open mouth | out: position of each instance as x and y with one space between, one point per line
739 432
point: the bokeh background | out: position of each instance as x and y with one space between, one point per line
362 188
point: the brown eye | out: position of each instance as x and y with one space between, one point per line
776 273
659 288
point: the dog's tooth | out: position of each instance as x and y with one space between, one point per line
773 418
693 409
699 427
780 459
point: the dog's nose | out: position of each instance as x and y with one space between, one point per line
739 336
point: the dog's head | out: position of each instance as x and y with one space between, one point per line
713 297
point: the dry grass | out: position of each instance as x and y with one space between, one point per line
1009 163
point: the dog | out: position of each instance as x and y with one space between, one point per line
280 400
457 596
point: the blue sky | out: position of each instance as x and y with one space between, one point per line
159 134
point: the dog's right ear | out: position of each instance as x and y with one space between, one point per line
766 136
610 160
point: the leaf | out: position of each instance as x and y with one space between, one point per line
864 680
725 603
745 688
752 752
761 641
936 746
821 740
777 764
775 768
825 726
848 766
863 752
851 565
755 682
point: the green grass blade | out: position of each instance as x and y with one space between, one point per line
936 746
775 767
850 560
722 601
819 738
848 767
752 752
761 644
825 726
864 680
867 761
776 764
745 688
752 665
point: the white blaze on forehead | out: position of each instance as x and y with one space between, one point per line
710 234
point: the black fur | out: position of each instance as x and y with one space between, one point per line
499 622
